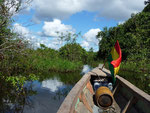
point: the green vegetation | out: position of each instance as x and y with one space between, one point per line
48 59
66 78
13 72
69 58
20 63
134 39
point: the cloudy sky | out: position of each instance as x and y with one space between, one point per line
42 19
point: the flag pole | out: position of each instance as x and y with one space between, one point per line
103 64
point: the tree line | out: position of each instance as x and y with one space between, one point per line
133 36
134 39
19 62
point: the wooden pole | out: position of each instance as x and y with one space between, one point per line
103 64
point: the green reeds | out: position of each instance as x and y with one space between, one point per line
54 64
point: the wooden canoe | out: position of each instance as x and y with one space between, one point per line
127 97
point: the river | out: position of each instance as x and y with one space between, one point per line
51 91
47 94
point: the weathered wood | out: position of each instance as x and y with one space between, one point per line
69 103
98 72
89 87
84 101
116 106
127 105
116 88
68 106
132 101
136 92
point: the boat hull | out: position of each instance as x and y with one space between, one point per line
127 97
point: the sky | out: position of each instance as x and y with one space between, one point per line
42 21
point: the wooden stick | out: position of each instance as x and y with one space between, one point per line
132 101
103 64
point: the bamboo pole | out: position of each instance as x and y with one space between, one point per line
103 64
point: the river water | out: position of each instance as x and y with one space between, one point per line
47 94
51 91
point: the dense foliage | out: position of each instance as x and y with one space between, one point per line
19 63
73 52
13 71
134 39
69 58
47 59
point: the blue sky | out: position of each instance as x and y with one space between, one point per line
41 19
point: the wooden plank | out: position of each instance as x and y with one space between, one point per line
133 89
116 88
84 101
132 101
127 105
68 104
70 101
99 72
116 106
136 92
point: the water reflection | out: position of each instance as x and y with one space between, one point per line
52 85
45 95
86 68
50 94
13 101
51 91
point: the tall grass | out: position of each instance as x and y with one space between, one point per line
56 64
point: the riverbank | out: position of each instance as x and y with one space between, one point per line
52 60
55 65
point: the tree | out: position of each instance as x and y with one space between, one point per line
73 52
68 38
13 69
133 37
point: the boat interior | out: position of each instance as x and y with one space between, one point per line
96 93
124 100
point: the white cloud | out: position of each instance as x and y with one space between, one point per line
51 32
86 69
121 22
85 44
90 36
90 39
49 42
26 33
48 36
51 28
114 9
52 85
21 30
50 9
